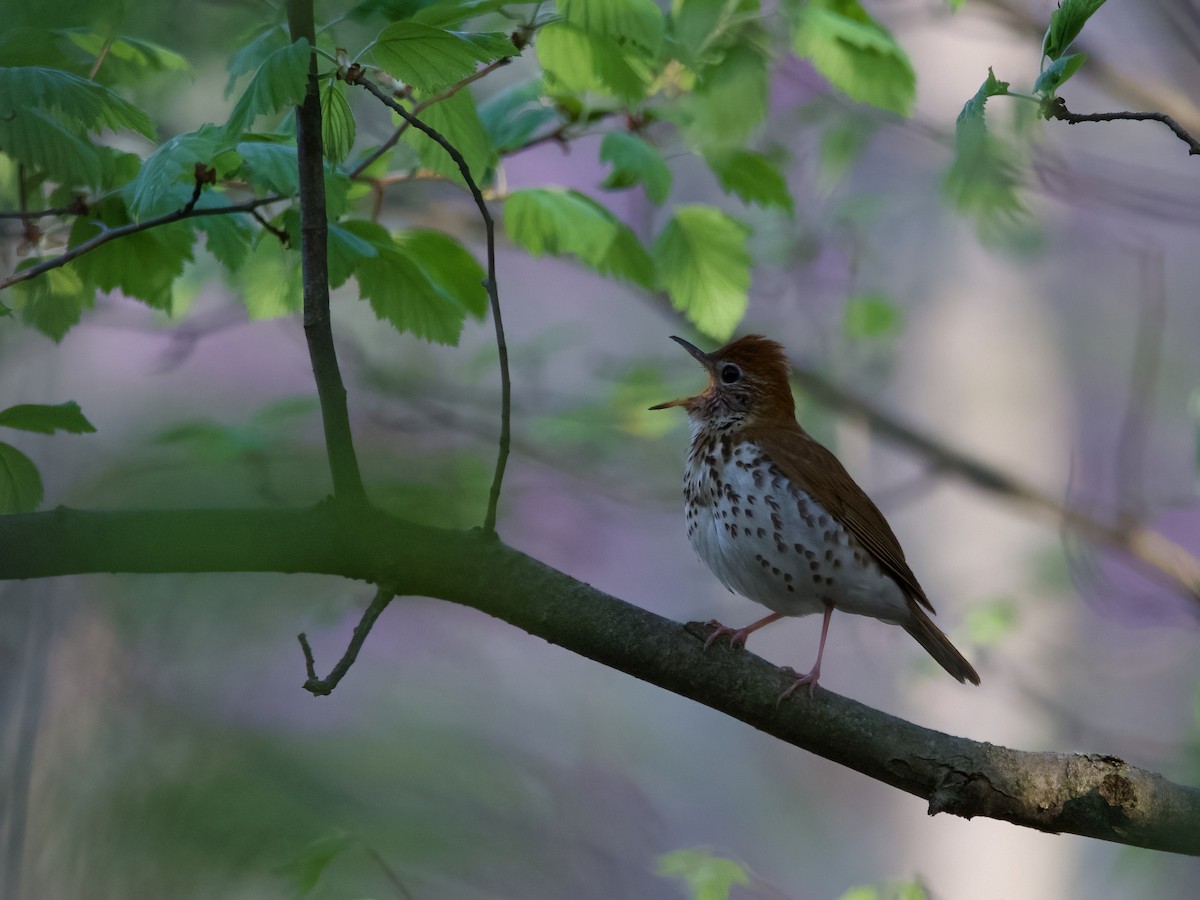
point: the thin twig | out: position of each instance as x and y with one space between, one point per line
1057 109
323 687
76 207
419 108
112 234
356 75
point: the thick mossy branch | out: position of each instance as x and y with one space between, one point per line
1095 796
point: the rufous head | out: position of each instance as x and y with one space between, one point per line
747 383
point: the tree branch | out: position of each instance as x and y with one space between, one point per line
1091 795
323 687
314 253
356 75
1057 109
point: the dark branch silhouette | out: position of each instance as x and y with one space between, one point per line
1057 109
323 687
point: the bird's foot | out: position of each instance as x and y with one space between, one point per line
737 636
810 679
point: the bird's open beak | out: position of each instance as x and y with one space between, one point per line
701 357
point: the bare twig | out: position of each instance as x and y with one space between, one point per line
356 75
323 687
1057 109
314 261
112 234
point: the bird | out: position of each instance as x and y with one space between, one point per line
779 520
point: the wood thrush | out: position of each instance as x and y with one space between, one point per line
778 519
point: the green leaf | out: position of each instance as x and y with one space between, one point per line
402 291
841 146
637 23
227 237
305 870
450 267
455 119
337 122
871 315
982 182
751 176
856 54
54 301
704 266
1065 24
346 251
564 222
270 165
430 59
279 84
705 29
707 876
270 280
142 265
46 419
1057 72
575 62
515 114
76 102
253 53
20 484
165 180
730 100
635 162
126 59
43 144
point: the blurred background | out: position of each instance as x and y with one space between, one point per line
156 740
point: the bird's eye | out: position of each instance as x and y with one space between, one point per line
730 374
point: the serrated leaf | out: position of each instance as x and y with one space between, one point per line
1057 72
43 144
456 120
429 58
269 280
54 301
254 52
270 165
515 114
227 237
279 84
165 180
1065 24
870 315
706 28
576 62
636 23
76 102
635 162
708 877
729 102
337 122
346 251
47 419
125 59
449 266
402 291
753 177
703 264
856 54
144 264
20 484
563 222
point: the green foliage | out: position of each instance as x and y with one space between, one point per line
567 223
751 176
337 122
703 264
278 85
708 877
636 23
20 484
575 62
871 315
1057 72
305 870
430 59
457 120
856 54
889 890
54 302
634 161
729 101
45 419
514 115
1065 24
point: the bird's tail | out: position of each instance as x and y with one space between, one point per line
938 646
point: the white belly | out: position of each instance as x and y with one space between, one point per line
770 542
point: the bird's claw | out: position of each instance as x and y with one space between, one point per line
737 636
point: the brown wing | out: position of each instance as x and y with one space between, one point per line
818 472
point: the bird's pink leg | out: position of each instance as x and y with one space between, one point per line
811 678
738 635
